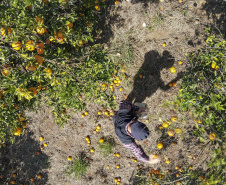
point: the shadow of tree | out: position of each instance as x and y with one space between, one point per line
151 81
216 10
22 158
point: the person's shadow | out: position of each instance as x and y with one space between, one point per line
147 84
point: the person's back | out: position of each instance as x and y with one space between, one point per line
127 128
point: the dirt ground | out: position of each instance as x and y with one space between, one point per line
143 27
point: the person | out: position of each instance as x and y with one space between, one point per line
128 128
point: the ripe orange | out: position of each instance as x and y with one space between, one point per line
18 131
39 20
92 150
69 158
31 68
120 89
14 175
174 119
38 59
60 34
48 71
165 124
16 45
171 133
180 62
30 45
86 113
40 30
70 25
106 113
104 87
212 136
140 76
164 44
178 130
99 126
32 179
6 70
160 145
173 70
3 31
45 144
167 161
39 176
108 167
99 113
41 138
117 166
33 90
116 2
97 8
83 115
101 140
87 138
176 167
13 182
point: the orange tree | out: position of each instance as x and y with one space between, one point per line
203 94
46 55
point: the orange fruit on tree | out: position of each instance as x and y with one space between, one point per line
13 182
70 25
99 113
6 70
92 150
18 131
86 113
164 44
48 71
39 20
97 8
212 136
69 158
160 145
14 175
16 45
33 90
38 59
31 68
3 31
116 2
32 179
30 45
40 30
39 45
60 34
173 70
39 176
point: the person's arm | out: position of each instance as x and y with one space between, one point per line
127 105
137 151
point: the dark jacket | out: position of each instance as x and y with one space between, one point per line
121 119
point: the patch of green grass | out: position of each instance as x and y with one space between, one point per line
78 167
106 147
156 22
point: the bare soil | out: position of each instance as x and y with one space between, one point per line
182 27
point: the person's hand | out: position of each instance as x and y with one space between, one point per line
154 159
